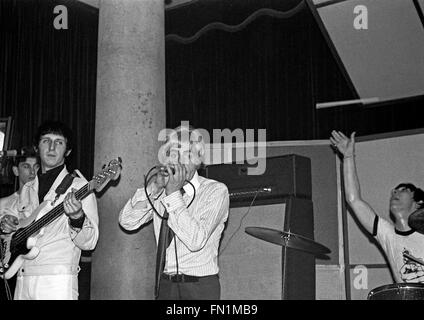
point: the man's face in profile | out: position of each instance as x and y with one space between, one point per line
402 199
26 170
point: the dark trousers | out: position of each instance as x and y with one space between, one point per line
205 288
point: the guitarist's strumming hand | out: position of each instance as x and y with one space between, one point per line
72 206
8 224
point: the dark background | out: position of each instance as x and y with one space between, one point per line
269 73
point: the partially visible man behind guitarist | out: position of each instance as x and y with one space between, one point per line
53 273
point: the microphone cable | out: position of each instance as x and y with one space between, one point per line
241 222
146 182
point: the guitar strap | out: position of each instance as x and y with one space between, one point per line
64 185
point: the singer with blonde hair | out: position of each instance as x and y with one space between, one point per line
188 212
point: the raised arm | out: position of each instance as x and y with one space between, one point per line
362 210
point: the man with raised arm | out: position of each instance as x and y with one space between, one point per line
395 237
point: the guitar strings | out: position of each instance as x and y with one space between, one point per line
22 234
81 193
53 214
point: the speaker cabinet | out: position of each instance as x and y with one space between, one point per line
288 175
298 267
251 268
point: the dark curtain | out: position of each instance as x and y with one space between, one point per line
389 117
269 75
50 74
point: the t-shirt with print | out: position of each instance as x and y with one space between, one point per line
395 243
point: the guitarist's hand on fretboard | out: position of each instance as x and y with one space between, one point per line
72 206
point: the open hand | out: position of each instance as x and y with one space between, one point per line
342 143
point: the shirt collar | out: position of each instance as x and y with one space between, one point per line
52 173
404 233
47 180
196 183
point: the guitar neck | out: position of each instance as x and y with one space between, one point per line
55 213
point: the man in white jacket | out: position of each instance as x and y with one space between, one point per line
53 273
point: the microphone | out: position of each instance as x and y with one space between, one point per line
162 170
12 153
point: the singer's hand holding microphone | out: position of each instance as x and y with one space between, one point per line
170 177
161 180
176 180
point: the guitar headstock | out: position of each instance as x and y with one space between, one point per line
108 173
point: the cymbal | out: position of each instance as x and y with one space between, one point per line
416 220
287 239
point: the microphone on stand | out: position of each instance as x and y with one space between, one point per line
12 153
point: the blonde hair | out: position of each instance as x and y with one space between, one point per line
183 137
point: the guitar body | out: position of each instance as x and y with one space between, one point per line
32 253
21 245
14 253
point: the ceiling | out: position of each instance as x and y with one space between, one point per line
168 3
383 62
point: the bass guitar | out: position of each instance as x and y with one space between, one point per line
21 244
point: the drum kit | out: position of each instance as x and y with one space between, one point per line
416 220
404 291
288 239
397 291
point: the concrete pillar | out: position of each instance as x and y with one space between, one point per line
130 113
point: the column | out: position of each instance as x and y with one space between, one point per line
130 112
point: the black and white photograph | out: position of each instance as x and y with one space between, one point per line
217 154
5 129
